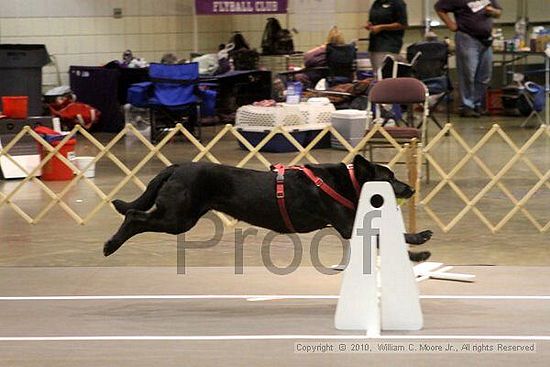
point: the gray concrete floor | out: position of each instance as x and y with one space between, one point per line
300 320
60 257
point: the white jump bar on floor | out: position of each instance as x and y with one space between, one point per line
270 337
253 298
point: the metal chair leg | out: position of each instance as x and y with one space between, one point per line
199 122
153 122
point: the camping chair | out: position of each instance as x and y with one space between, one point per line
534 98
340 69
175 97
530 97
172 96
394 68
399 91
341 63
431 67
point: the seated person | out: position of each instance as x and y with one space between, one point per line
243 57
316 57
169 58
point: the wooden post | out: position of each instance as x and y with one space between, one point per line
411 154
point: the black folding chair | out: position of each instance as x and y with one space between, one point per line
340 69
431 67
341 63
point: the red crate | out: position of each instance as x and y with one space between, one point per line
15 107
493 101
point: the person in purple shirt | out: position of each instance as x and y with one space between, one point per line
473 23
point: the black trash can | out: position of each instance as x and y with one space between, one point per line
21 73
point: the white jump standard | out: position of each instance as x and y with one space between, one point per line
362 305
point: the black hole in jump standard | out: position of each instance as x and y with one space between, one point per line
377 201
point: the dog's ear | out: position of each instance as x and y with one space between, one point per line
364 170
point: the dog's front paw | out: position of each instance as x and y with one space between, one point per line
418 238
426 235
419 256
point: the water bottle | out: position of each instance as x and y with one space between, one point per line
293 92
289 90
298 89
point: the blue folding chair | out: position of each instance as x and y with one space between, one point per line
172 96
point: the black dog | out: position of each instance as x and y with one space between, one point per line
181 194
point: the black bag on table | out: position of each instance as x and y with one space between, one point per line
245 59
276 40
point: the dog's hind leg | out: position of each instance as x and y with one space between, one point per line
155 221
147 199
132 225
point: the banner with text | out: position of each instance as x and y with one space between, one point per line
240 7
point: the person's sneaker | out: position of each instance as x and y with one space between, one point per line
468 112
481 111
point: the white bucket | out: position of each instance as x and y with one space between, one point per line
82 162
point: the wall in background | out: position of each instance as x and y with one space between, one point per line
84 32
312 19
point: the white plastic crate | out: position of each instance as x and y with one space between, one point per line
284 115
304 134
316 114
291 129
269 117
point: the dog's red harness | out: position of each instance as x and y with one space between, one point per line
317 181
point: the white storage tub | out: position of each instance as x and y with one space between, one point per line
351 124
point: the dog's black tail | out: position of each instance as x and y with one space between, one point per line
147 199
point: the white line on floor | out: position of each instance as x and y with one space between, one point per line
539 298
124 297
253 298
271 337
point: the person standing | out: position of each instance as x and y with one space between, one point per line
473 23
386 24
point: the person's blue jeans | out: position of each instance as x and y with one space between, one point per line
474 66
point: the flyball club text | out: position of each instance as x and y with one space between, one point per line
245 6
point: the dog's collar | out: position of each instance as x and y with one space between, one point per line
280 192
317 181
354 182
